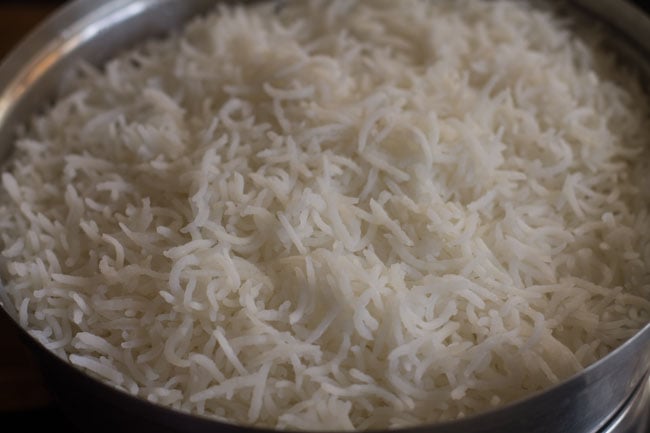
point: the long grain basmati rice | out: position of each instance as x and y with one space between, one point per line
337 214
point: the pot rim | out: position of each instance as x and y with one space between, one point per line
78 22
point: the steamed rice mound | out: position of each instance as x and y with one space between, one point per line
337 214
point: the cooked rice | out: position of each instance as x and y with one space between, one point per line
337 214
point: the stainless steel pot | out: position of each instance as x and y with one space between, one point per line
610 396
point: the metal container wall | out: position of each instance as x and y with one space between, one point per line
94 30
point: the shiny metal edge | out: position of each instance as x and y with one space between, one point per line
36 58
44 50
71 33
623 16
634 417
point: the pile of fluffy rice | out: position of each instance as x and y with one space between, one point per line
337 214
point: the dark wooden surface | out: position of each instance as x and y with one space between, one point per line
17 18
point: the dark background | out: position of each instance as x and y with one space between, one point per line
24 400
